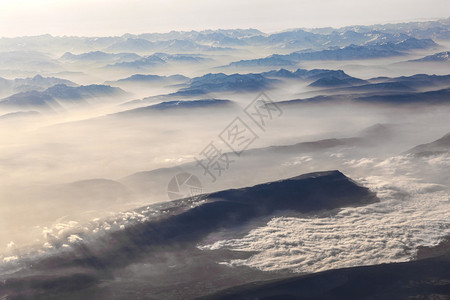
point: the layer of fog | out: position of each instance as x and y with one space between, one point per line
40 160
39 155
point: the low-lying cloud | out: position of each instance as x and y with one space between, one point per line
412 213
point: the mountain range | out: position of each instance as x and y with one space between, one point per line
350 52
36 83
438 57
151 79
184 106
211 40
52 98
158 59
141 45
99 56
220 82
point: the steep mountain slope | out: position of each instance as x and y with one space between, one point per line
96 268
439 146
427 279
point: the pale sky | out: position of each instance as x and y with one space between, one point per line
115 17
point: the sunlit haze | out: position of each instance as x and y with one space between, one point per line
181 150
114 17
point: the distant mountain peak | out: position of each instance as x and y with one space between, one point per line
437 57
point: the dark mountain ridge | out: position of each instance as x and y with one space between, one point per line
178 226
425 279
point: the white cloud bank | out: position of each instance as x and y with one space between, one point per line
412 212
